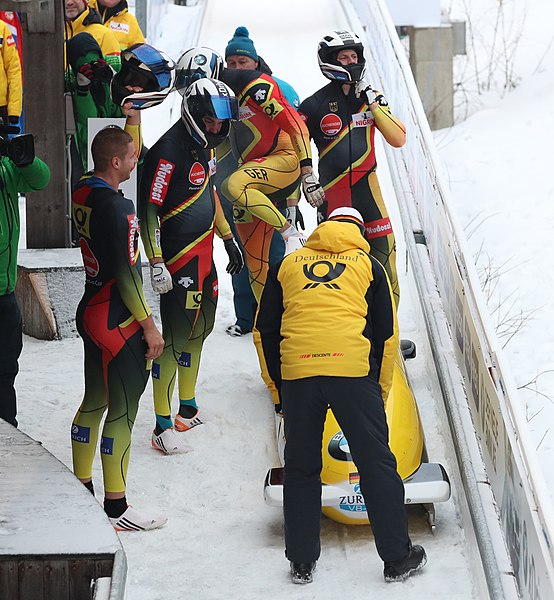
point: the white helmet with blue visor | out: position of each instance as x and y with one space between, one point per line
212 99
144 67
195 64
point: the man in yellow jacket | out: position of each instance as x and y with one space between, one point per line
117 18
11 95
328 329
80 17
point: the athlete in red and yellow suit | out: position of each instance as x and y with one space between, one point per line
108 321
271 144
178 213
343 129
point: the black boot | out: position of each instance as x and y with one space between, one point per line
399 570
302 572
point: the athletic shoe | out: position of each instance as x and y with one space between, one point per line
169 442
302 572
137 520
237 330
399 570
184 424
294 242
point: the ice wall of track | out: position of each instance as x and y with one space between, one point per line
504 488
154 11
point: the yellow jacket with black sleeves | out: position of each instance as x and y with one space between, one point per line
327 309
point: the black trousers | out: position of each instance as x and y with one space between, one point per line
358 407
11 344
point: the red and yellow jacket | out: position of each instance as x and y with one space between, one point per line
327 309
268 123
11 94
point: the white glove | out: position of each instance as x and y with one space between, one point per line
160 278
290 215
363 87
312 190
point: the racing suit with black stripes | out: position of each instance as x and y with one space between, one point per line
179 214
108 321
343 129
270 143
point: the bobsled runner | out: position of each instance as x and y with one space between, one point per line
425 483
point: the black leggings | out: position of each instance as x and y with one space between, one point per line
358 407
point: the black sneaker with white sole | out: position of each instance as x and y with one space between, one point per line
399 570
236 330
302 572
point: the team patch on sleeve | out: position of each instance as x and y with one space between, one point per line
260 92
133 237
81 218
363 119
160 182
272 108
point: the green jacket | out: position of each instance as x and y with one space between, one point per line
13 180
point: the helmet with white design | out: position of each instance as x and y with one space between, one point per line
145 67
208 98
195 64
327 51
348 214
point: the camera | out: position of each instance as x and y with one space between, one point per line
19 149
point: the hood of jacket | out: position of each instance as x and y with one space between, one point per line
336 237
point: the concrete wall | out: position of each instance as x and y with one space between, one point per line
49 288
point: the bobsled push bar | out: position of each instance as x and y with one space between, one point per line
428 484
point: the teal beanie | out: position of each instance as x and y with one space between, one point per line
241 44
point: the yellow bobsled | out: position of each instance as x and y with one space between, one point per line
424 483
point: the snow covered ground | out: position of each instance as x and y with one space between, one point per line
221 540
498 162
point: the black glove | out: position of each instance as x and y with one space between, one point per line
294 216
13 120
84 77
235 257
98 71
102 71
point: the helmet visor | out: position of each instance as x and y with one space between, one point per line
155 62
225 107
